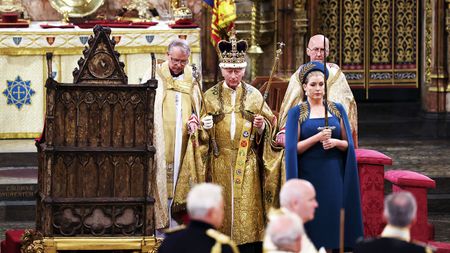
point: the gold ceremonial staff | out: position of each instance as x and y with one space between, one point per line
272 72
268 84
211 132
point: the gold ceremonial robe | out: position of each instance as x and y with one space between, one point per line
245 214
175 101
250 191
338 91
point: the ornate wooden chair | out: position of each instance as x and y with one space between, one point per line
96 158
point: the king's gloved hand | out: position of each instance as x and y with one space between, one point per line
207 122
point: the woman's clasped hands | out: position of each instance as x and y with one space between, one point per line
325 139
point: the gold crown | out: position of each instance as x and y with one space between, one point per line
232 53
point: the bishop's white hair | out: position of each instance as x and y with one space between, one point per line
201 198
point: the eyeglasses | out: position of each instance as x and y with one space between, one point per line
181 62
317 50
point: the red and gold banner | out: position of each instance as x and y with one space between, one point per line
223 17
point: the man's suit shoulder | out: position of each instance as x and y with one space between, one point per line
389 245
227 244
174 229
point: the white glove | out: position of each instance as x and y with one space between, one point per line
207 122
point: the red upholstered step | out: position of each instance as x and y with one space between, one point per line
417 184
441 247
12 241
409 178
371 178
369 156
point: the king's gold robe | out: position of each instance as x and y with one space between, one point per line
247 200
338 91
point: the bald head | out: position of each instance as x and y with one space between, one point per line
316 50
285 231
299 197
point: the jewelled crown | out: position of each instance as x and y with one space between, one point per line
232 53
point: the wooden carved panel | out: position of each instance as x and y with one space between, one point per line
96 157
100 117
98 220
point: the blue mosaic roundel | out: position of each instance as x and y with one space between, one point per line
19 92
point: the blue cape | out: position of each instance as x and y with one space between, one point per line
351 194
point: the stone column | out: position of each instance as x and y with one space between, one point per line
301 27
285 33
255 50
436 95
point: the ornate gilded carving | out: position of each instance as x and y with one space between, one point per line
330 26
158 242
405 29
32 242
353 32
374 41
381 28
428 40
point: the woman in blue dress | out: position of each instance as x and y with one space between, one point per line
326 158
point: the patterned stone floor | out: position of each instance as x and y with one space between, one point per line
429 157
441 222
